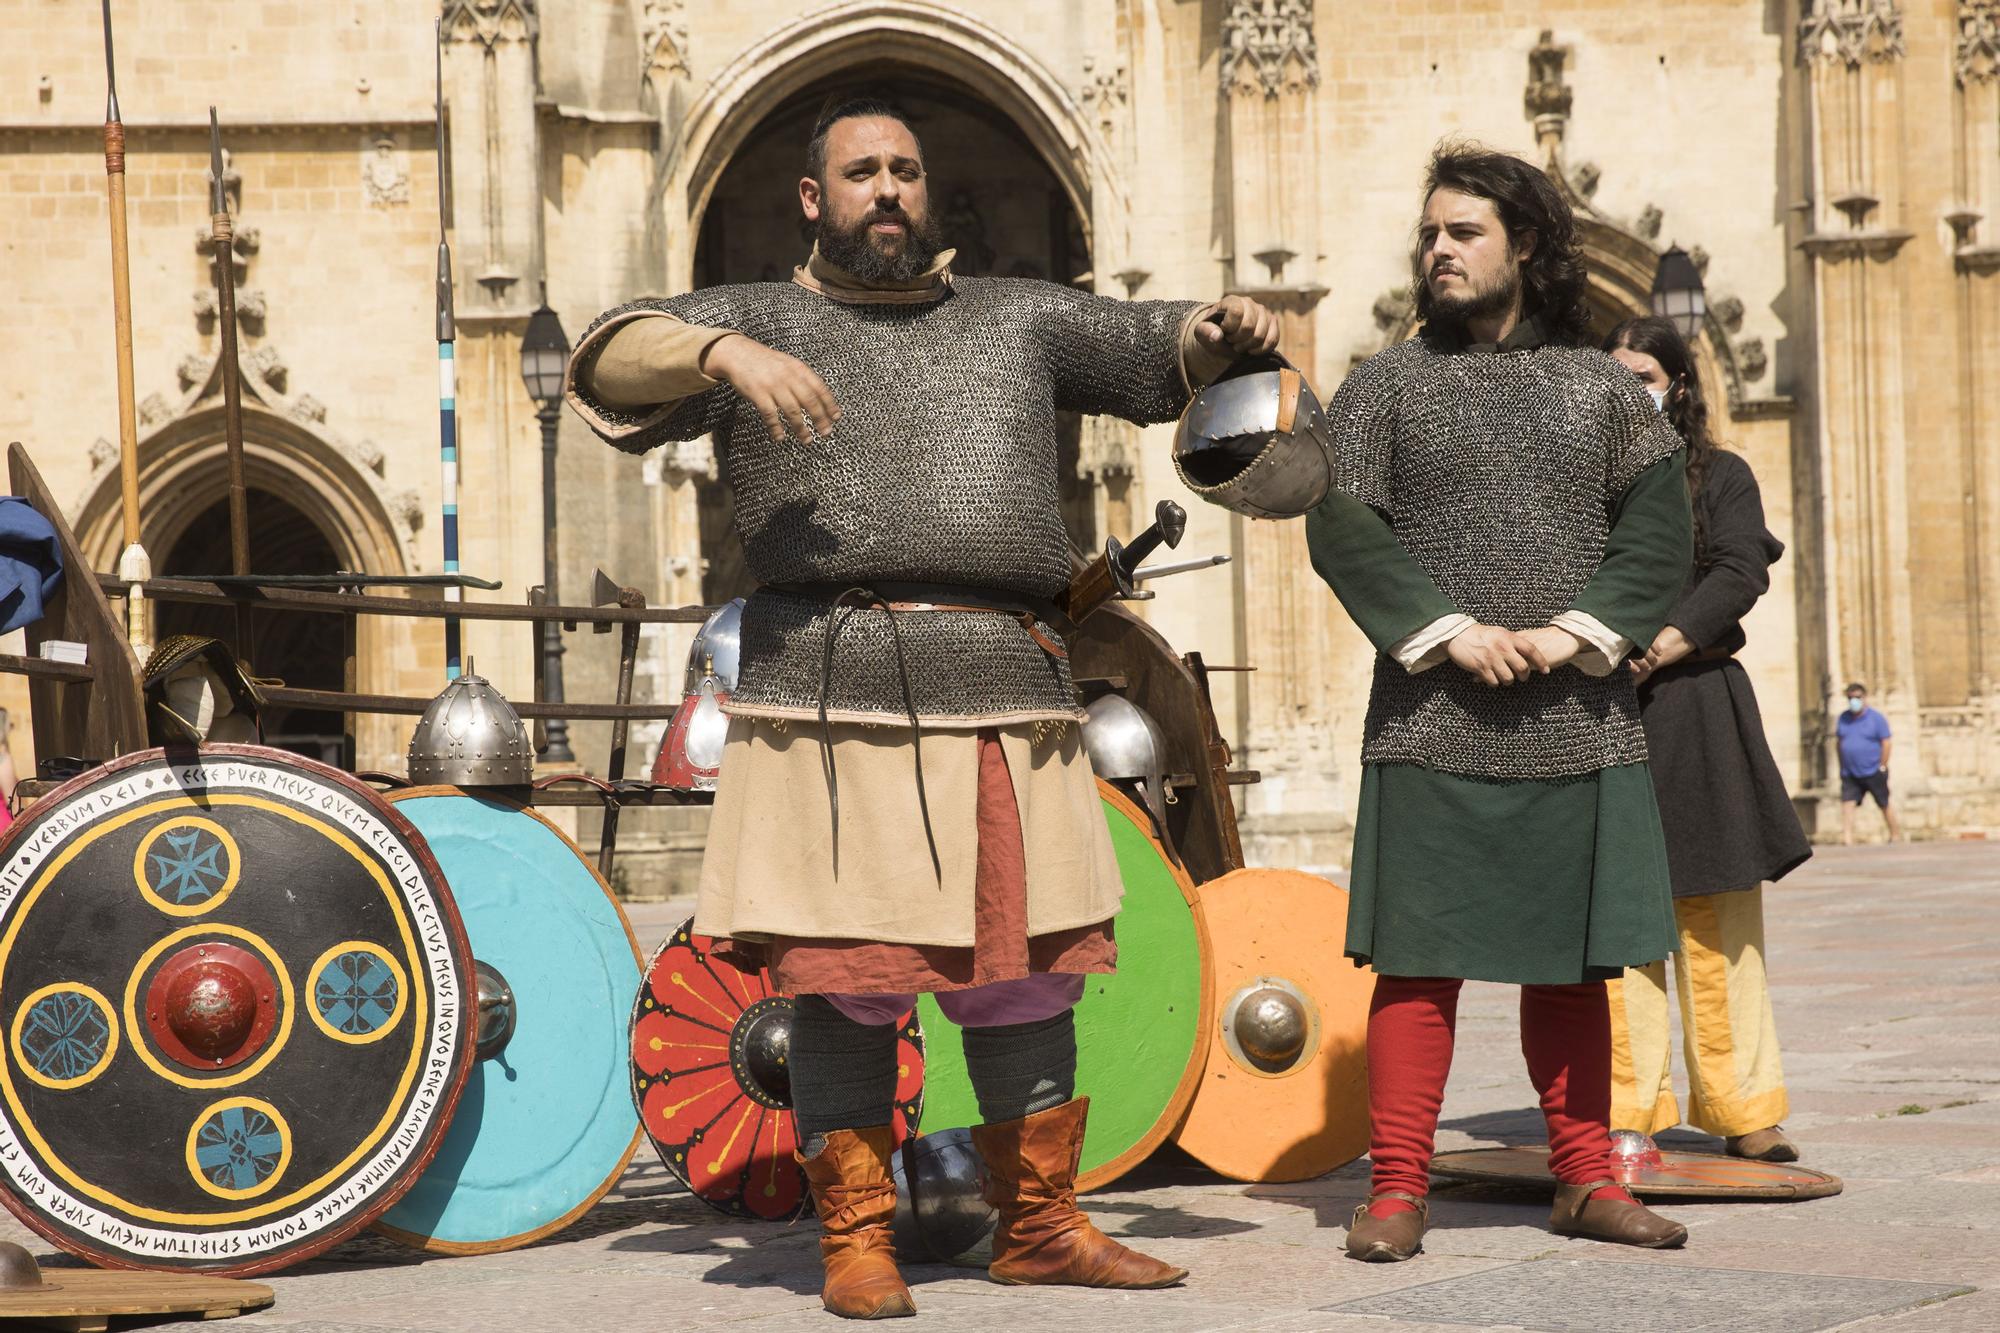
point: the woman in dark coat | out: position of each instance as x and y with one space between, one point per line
1729 823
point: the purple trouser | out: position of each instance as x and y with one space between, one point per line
1027 999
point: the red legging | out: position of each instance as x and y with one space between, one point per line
1565 1035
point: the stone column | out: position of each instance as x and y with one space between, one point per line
673 474
494 146
1270 82
1853 52
1976 226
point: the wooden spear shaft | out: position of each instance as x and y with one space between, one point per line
222 245
133 566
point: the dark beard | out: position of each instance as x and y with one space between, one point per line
1458 312
848 248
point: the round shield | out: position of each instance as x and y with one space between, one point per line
1139 1031
1679 1175
236 998
710 1045
89 1297
1284 1094
545 1128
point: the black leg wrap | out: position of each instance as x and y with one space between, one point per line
1021 1068
843 1072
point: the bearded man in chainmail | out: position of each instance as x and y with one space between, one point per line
904 804
1510 519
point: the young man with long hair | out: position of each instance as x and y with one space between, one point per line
1510 519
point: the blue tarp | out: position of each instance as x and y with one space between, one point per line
31 566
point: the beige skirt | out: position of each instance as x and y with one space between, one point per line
769 869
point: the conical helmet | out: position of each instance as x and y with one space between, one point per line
717 648
471 736
1125 744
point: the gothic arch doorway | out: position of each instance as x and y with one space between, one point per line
995 197
304 651
315 507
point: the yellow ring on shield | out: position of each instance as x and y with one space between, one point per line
110 1044
278 1126
375 951
61 1169
234 1076
214 900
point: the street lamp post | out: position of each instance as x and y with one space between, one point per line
544 352
1678 294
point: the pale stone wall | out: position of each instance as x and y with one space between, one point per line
1207 147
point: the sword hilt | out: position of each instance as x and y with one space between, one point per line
1110 575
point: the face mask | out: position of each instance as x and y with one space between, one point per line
1855 706
1659 397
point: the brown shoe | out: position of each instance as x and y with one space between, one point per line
1391 1239
1042 1237
1762 1145
856 1197
1577 1214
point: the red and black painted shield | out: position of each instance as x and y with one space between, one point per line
233 992
711 1079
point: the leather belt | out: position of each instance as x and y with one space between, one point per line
897 599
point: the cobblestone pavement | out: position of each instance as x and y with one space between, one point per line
1887 962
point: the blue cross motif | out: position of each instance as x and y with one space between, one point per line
356 992
238 1148
190 872
65 1035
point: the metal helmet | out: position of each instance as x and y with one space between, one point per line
1256 441
690 757
471 736
196 691
717 648
941 1208
1125 744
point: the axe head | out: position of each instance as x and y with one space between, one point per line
603 592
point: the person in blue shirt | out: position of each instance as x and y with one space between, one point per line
1864 763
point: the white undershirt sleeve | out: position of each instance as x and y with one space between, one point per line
1426 648
1603 648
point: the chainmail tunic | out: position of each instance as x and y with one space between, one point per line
1501 475
944 469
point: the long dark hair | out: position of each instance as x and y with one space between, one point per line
1686 408
1552 278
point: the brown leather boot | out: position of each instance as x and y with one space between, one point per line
1042 1237
856 1197
1762 1145
1577 1214
1391 1239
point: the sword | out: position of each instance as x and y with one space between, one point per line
1178 567
134 566
1110 574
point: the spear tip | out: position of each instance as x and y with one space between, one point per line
110 70
217 201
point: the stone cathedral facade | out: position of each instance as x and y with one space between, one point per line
1832 165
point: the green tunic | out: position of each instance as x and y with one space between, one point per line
1532 882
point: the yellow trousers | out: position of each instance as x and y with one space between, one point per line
1735 1081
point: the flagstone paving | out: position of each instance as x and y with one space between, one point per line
1887 970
